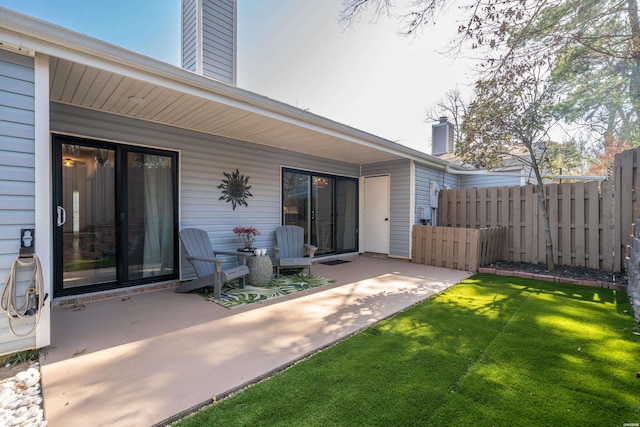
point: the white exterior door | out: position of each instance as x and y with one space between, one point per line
376 214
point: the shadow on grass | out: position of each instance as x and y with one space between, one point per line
488 351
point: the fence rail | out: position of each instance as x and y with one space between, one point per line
590 222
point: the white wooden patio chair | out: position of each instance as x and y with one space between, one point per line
207 264
291 248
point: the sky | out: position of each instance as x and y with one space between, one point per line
296 51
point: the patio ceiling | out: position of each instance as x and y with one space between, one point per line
98 89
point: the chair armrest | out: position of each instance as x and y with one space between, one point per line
217 261
242 256
312 250
276 250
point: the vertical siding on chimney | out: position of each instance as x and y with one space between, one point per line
189 34
442 138
209 38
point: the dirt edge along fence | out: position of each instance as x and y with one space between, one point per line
456 248
590 221
633 270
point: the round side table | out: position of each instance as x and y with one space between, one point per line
260 270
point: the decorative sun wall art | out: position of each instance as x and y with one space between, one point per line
235 189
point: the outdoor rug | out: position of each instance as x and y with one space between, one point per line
233 297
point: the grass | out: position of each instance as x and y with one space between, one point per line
491 351
14 359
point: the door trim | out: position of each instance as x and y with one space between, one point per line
335 179
43 188
120 153
387 198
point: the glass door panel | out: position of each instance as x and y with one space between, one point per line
325 206
150 219
296 201
115 215
86 215
322 214
346 215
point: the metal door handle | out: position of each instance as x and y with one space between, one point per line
386 219
62 216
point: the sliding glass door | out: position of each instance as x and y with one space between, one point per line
86 215
325 206
115 215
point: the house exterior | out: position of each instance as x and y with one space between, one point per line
513 173
106 154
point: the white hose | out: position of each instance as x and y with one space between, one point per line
9 298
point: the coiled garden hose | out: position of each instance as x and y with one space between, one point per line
34 299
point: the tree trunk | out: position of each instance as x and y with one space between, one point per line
542 201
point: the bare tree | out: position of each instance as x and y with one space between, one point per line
593 46
453 105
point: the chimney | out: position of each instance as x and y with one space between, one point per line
442 137
209 42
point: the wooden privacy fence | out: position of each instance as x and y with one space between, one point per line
457 248
590 222
633 270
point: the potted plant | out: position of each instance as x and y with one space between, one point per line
247 236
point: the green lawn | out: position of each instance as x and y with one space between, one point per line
491 351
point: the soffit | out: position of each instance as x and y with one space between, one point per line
98 89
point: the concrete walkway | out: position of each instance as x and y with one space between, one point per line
138 361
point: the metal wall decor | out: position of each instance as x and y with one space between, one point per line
235 189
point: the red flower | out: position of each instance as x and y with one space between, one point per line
247 235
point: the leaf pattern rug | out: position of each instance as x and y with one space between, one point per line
232 296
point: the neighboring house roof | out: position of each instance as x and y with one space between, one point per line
512 166
92 74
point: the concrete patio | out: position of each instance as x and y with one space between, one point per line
139 360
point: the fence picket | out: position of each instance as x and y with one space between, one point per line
567 245
517 224
607 245
552 205
593 212
578 208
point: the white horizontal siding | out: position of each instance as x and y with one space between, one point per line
203 159
484 181
13 144
9 343
17 177
424 176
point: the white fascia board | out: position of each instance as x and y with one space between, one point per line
43 191
412 203
40 36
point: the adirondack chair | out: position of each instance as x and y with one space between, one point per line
290 249
207 264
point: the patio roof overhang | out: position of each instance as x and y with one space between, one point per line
92 74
